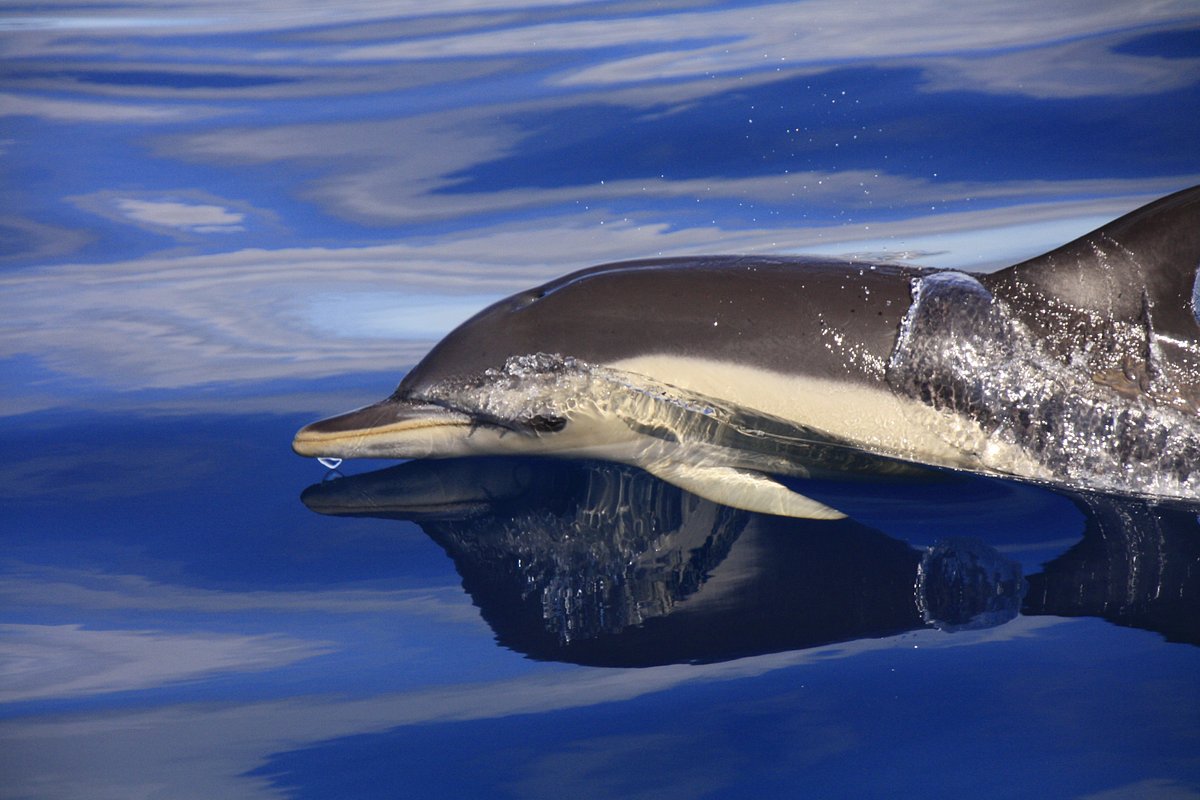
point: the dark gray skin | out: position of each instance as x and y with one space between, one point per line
769 312
1124 291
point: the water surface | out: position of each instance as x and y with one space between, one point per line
222 222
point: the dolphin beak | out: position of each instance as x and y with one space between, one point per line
388 429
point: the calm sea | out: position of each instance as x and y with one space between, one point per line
222 221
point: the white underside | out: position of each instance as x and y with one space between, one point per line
874 419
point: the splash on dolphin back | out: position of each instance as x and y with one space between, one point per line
962 352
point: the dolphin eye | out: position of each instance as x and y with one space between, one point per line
544 424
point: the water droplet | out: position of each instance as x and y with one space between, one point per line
329 463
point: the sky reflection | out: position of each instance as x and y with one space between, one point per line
561 716
226 166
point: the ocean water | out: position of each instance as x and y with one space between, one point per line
222 222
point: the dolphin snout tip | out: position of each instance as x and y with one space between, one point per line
341 436
307 443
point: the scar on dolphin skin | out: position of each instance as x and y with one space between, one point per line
1080 368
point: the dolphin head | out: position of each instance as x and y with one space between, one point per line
625 363
499 383
514 367
484 389
458 400
524 376
521 406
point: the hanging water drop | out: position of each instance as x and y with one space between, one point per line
329 463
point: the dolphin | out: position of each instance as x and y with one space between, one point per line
723 374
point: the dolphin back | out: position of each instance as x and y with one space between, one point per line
1128 292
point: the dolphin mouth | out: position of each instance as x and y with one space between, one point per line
388 429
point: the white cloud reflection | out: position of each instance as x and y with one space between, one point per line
42 587
183 214
218 15
188 216
1069 70
60 661
76 110
1062 49
258 315
207 751
978 38
406 171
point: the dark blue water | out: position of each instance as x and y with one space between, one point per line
221 223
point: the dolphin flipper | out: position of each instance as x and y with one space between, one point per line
740 488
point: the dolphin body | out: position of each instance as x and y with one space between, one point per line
1080 368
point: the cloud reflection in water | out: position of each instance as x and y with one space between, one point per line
560 134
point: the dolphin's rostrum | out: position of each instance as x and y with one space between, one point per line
1080 367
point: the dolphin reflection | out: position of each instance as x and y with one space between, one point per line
603 564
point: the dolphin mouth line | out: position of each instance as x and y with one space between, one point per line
306 438
359 432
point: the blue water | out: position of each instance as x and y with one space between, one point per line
222 223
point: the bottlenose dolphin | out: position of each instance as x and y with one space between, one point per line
1080 368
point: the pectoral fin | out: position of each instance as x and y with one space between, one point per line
749 491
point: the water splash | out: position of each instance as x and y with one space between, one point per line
962 352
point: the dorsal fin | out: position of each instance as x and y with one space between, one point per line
1121 301
1148 257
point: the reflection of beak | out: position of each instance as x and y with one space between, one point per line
438 490
388 429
